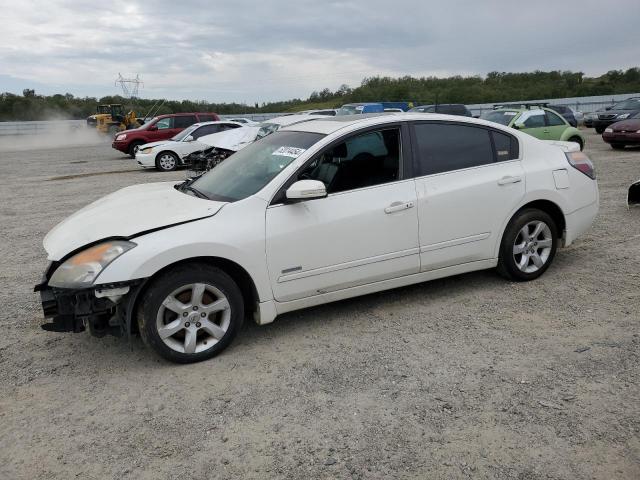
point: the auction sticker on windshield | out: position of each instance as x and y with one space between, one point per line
292 152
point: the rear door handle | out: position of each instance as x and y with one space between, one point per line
507 180
399 206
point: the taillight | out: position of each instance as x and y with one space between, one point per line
581 162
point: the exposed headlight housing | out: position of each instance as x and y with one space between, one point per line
122 136
146 150
608 130
81 270
623 115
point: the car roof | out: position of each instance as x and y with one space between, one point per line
291 119
182 114
200 124
328 125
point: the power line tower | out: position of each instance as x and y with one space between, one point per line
130 86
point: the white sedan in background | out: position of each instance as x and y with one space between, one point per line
167 155
313 213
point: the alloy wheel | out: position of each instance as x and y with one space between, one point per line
193 318
532 246
167 161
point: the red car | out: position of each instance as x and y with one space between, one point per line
161 127
623 133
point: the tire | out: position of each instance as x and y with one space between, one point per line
182 330
600 129
133 148
617 146
166 161
577 140
523 266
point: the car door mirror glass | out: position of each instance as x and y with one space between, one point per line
518 125
153 128
306 189
189 138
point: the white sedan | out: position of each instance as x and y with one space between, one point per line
316 212
167 155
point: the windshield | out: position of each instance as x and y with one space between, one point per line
249 170
350 110
503 117
631 104
184 133
153 120
267 129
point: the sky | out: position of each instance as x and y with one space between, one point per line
259 51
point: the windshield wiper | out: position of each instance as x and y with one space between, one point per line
195 191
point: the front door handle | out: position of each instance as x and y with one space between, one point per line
399 206
546 131
507 180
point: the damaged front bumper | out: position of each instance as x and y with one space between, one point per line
102 309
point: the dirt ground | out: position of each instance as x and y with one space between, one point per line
466 377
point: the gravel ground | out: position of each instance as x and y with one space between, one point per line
466 377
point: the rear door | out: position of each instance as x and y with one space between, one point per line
469 179
183 121
533 122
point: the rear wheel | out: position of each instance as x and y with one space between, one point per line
133 148
599 129
528 245
577 140
617 146
191 313
166 161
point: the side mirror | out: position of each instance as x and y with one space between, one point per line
306 190
153 128
518 126
189 138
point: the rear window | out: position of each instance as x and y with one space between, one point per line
444 147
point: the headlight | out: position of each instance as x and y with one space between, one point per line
121 137
81 270
146 150
624 115
608 130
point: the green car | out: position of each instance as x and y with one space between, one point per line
542 123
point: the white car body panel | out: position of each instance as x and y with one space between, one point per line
345 244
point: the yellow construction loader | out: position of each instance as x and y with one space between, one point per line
110 119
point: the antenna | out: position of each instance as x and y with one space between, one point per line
130 86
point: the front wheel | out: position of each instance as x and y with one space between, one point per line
528 245
166 161
191 313
133 148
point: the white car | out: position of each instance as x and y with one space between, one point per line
244 121
309 215
167 155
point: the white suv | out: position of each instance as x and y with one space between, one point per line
313 213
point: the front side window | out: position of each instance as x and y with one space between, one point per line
554 120
164 123
252 168
442 147
364 160
631 104
185 121
534 120
205 130
503 117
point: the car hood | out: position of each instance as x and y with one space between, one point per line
156 144
632 124
233 140
126 213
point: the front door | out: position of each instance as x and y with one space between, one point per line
469 180
364 231
533 122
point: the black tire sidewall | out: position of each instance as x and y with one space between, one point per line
577 140
506 263
169 282
132 148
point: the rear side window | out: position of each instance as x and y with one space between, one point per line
506 146
207 118
184 121
444 147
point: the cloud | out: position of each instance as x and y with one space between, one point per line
259 51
